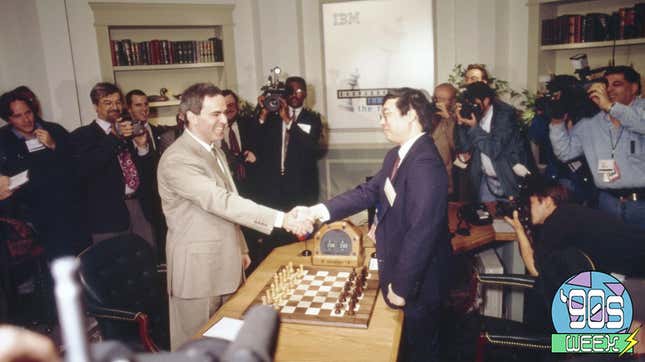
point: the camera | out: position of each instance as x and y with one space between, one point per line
568 95
273 90
521 204
468 106
138 127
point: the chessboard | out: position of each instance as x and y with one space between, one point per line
331 296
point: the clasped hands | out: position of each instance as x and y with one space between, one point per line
299 221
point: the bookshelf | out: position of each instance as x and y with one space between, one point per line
554 58
170 28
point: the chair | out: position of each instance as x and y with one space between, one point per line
125 292
533 337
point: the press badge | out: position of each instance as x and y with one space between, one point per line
389 191
608 169
34 145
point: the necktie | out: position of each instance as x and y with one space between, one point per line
285 141
129 169
238 165
395 168
223 165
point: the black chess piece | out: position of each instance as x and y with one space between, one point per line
342 298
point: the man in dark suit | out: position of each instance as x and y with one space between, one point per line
116 168
50 199
491 135
288 150
160 137
412 242
239 145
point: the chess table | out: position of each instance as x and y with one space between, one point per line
312 342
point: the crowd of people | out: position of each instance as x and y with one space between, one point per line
215 193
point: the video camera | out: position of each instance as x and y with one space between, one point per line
273 90
567 94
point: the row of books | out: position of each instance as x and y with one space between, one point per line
626 23
126 52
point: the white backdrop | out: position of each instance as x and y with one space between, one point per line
369 46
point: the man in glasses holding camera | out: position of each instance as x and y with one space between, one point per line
488 129
613 142
116 167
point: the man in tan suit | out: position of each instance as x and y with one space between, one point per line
206 251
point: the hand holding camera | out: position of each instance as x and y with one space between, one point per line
464 118
598 94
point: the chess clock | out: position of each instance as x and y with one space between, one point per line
338 244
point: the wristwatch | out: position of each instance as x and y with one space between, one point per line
611 107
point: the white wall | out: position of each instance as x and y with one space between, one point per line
492 32
38 38
21 46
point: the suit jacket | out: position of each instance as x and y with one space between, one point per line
50 200
164 136
299 185
204 245
503 145
102 178
412 241
248 131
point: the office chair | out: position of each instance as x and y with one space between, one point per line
125 292
530 340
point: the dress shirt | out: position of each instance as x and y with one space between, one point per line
293 113
594 136
485 124
279 219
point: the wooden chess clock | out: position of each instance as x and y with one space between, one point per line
338 244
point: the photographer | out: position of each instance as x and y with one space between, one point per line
443 126
488 129
288 150
612 245
116 169
560 101
613 142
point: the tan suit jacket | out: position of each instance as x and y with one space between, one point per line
203 211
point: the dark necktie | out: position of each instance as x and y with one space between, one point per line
234 149
395 168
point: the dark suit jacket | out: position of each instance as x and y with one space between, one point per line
248 129
102 178
164 136
50 200
412 241
299 185
503 145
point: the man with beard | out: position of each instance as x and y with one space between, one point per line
115 167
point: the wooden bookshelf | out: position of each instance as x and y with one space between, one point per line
595 44
129 68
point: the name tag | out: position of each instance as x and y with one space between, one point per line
608 169
305 127
34 145
390 194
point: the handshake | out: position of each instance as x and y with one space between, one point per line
300 220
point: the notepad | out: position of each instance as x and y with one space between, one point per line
226 328
18 180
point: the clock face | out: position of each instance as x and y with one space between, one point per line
336 242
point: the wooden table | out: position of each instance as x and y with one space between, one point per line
479 235
300 342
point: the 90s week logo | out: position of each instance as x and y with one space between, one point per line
592 313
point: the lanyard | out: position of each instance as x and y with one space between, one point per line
611 140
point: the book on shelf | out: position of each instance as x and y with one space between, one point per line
624 23
125 52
